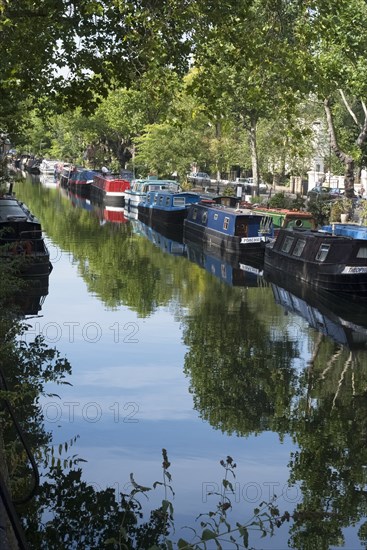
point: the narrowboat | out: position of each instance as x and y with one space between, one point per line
65 173
283 217
327 313
80 182
32 165
140 187
352 230
21 240
234 231
110 188
164 208
48 166
233 272
326 262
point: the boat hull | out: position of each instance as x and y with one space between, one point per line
343 272
81 189
227 245
162 218
110 190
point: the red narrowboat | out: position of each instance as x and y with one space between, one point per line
110 188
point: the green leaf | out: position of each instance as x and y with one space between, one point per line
207 534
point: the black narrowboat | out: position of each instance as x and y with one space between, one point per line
325 261
21 240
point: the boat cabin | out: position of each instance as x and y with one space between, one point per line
283 217
170 201
229 221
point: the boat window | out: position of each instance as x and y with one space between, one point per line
215 216
161 200
204 217
287 244
323 252
178 201
226 223
299 246
155 198
362 252
167 201
194 214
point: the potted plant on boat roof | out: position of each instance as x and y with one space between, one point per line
341 210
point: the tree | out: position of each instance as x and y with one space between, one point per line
246 67
334 36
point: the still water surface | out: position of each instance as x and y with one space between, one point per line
204 361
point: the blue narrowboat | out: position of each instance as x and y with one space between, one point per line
140 187
352 230
163 208
231 230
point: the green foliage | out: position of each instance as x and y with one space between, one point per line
340 206
362 212
280 200
320 210
84 516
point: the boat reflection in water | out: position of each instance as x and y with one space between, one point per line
167 241
76 199
109 214
234 271
29 298
335 317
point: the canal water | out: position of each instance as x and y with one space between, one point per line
205 360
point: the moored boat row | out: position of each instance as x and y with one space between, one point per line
333 260
109 188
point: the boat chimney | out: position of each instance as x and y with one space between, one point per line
11 184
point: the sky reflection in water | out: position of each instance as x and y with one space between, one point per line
130 398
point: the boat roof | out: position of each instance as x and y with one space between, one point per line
233 211
11 210
154 181
347 230
316 233
284 212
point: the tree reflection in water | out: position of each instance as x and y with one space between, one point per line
245 376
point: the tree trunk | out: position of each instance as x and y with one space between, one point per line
347 160
254 157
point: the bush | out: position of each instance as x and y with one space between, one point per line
280 200
320 210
